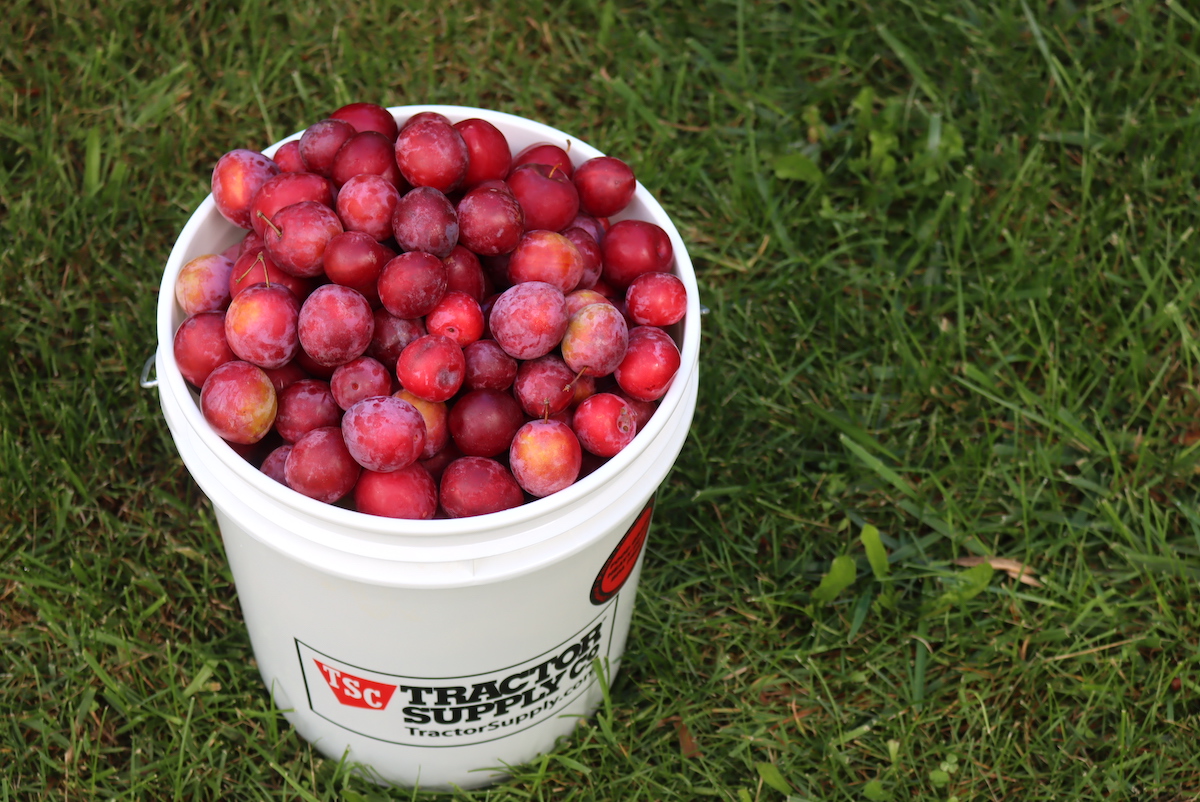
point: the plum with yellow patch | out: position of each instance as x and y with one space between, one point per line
545 457
238 400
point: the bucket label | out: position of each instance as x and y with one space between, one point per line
455 711
620 563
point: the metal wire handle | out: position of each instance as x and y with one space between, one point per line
147 382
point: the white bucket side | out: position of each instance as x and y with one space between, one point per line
305 624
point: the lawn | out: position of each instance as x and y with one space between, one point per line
935 531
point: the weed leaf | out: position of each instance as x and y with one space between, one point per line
874 791
773 777
798 167
967 585
841 576
876 553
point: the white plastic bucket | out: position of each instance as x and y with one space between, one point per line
434 653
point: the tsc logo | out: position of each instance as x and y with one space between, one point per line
355 691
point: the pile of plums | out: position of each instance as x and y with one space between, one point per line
420 323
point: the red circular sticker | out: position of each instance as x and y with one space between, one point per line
620 563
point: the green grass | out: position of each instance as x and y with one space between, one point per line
948 250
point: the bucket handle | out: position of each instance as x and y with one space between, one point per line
147 382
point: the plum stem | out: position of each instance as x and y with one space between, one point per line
259 258
571 384
278 231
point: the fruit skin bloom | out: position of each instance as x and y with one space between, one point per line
384 433
529 320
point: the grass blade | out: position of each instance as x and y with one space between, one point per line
914 67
